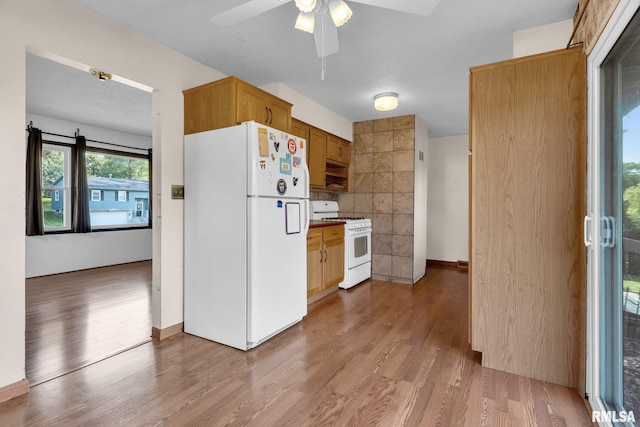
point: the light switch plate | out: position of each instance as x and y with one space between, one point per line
177 191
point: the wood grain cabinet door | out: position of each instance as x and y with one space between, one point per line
251 105
315 258
316 158
337 150
333 263
528 141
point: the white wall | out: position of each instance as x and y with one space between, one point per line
311 112
57 253
64 29
448 208
448 169
542 39
420 192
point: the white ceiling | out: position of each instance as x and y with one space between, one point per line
424 59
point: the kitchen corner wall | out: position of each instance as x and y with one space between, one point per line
384 166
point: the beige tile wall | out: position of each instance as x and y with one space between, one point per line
382 189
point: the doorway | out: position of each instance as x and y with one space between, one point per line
88 295
613 348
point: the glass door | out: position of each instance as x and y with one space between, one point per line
614 302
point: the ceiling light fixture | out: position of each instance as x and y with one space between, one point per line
306 5
340 12
386 101
305 22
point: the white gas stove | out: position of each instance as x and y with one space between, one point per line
357 247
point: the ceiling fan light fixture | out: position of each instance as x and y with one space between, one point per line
306 5
305 22
340 12
386 101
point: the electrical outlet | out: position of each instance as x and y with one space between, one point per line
177 191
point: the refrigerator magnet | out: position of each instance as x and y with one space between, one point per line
297 161
276 145
263 142
262 165
291 146
285 166
292 217
281 187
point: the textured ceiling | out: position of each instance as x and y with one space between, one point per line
424 59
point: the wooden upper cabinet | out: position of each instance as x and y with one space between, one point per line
231 101
316 158
338 150
328 157
300 129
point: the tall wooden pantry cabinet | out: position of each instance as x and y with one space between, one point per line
528 150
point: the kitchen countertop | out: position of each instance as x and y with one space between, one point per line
316 223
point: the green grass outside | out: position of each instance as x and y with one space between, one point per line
51 219
631 286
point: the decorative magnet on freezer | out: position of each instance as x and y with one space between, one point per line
291 146
297 161
295 181
285 166
279 203
262 165
288 156
281 187
276 145
273 156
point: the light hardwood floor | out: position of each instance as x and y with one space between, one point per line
379 354
77 318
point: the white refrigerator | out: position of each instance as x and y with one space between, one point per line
246 217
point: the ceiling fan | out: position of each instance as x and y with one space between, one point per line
314 16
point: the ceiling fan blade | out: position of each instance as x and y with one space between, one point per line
418 7
245 11
326 36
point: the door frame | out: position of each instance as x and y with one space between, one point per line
619 20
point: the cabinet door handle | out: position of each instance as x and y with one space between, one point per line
325 255
266 117
340 152
321 257
270 116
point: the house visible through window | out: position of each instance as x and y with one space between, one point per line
122 182
56 203
118 187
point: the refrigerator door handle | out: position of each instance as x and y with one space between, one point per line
307 213
307 178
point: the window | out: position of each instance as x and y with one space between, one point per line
118 185
120 182
56 203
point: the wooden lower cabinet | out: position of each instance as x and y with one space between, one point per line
325 258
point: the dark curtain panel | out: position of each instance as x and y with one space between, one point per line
150 187
80 220
34 214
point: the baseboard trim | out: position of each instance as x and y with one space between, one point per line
161 334
14 390
456 265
